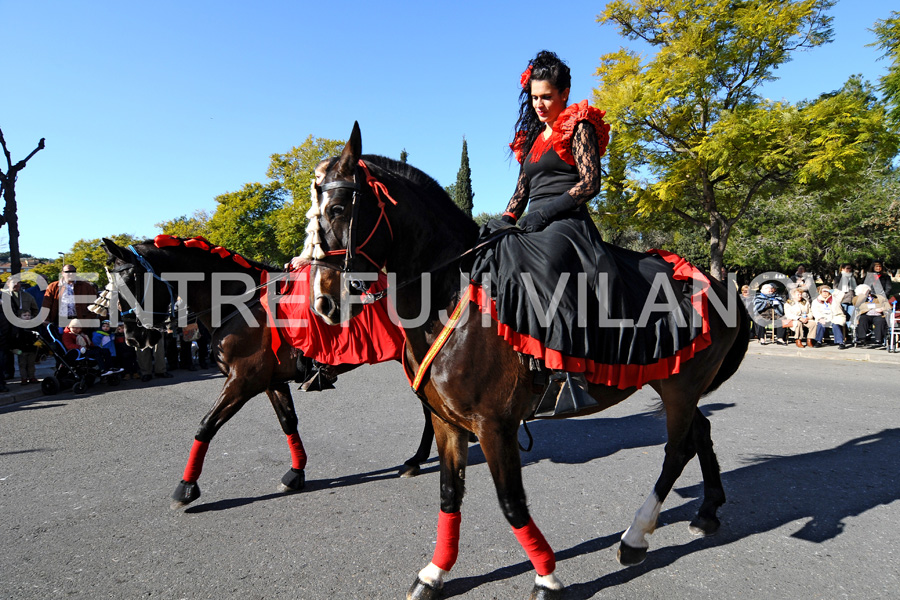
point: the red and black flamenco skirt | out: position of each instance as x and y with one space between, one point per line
604 323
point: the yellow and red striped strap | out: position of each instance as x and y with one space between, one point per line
441 339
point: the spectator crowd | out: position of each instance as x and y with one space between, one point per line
66 304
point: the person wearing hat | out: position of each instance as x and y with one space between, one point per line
68 298
74 338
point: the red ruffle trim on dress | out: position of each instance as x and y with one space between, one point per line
564 129
370 337
620 376
518 146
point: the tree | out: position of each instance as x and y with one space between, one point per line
10 210
187 227
404 155
462 192
246 221
265 222
293 172
888 33
700 141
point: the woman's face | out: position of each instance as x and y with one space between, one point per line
547 101
877 267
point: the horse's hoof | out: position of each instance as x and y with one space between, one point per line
539 592
293 481
409 470
423 591
704 526
184 494
629 556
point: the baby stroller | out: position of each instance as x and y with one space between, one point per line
73 369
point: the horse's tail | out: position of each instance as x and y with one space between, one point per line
738 349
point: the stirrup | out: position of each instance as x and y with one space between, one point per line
566 395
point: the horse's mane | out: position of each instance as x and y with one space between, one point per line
406 171
201 243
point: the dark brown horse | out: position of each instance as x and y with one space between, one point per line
375 213
241 342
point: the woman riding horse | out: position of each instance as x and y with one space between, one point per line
373 213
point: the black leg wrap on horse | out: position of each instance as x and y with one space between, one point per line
423 591
294 480
628 556
542 593
185 492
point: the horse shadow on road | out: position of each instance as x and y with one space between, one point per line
824 488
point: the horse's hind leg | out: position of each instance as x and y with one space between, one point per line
453 449
706 522
280 397
680 449
411 467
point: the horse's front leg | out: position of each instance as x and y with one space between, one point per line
232 397
501 450
280 396
453 449
412 466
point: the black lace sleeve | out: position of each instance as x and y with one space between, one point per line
586 151
519 199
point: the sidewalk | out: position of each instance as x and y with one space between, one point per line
20 393
825 353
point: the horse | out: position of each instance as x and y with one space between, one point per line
241 347
373 213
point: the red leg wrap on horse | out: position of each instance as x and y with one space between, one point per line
195 461
298 454
536 547
447 547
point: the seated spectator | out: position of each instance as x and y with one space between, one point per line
24 344
878 280
803 280
770 306
798 310
747 299
74 338
126 356
872 309
845 282
104 340
827 313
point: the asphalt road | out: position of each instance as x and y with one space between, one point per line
809 450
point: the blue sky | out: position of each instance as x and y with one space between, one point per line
150 110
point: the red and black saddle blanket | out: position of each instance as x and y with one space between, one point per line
368 338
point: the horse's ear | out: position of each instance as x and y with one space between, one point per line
352 152
113 250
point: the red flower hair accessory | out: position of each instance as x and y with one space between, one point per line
526 76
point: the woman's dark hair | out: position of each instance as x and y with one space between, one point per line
546 66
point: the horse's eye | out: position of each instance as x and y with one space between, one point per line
337 210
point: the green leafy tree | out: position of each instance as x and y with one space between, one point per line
483 217
246 221
701 143
462 191
293 173
187 227
888 33
404 155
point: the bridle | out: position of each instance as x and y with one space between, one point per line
131 313
380 192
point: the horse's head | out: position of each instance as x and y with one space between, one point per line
139 290
348 236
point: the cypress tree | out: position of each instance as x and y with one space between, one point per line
463 195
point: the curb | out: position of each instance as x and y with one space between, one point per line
27 393
851 354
